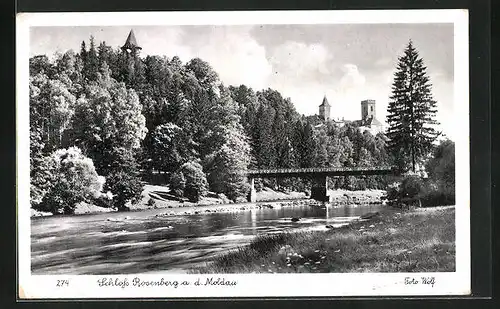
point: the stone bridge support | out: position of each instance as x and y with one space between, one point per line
252 194
319 189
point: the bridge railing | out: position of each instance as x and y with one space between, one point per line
316 170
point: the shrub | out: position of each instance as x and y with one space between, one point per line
125 187
407 187
177 183
393 191
435 195
74 179
411 187
122 175
189 181
196 184
428 191
441 167
105 200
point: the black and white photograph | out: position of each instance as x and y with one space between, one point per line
161 150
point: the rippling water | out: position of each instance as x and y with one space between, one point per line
144 243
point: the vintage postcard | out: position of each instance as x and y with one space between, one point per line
243 154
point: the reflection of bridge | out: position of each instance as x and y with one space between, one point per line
319 176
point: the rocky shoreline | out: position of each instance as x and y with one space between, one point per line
338 198
235 207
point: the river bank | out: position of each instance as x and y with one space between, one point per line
159 197
419 240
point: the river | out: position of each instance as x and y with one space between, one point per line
143 242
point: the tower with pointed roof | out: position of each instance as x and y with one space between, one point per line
324 109
131 48
131 63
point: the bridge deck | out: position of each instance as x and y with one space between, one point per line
321 171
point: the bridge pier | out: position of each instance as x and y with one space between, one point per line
252 194
319 189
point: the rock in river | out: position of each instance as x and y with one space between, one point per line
295 219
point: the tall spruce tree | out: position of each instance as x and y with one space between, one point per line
91 64
411 111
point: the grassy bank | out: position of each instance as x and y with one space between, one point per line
421 240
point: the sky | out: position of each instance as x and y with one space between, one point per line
346 62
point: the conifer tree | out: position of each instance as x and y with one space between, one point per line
92 63
83 52
411 111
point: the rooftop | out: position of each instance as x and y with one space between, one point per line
373 121
131 42
325 102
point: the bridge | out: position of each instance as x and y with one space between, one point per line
319 175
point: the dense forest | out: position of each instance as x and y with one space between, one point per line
102 120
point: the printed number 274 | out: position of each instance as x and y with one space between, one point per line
62 283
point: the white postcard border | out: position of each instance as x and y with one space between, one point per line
261 285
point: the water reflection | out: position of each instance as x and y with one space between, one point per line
145 242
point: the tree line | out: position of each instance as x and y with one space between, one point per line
101 119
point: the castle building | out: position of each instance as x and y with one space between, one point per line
324 109
368 120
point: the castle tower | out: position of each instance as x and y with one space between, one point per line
324 109
131 47
367 110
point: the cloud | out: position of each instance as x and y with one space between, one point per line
352 78
236 56
297 62
302 72
383 62
167 42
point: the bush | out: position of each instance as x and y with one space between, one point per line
189 181
435 195
125 187
441 167
427 191
104 200
196 184
177 183
74 179
411 187
122 175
